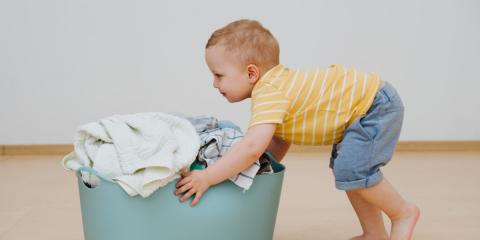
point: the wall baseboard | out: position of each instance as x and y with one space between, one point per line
410 146
403 146
36 149
438 146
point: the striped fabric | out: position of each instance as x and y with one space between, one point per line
312 107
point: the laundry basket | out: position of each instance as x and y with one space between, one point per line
223 213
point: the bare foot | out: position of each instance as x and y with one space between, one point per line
402 226
370 237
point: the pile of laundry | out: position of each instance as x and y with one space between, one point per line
145 151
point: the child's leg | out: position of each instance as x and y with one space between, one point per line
368 143
403 215
370 218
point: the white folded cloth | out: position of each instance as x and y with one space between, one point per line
141 152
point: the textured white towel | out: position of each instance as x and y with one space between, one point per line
141 152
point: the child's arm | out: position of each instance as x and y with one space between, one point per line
278 148
240 156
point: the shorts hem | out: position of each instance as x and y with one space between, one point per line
367 182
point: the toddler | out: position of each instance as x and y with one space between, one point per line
355 111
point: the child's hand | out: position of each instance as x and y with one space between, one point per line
195 182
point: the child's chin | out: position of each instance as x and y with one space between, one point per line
234 100
230 100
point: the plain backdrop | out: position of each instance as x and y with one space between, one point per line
64 63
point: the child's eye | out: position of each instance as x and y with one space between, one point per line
218 75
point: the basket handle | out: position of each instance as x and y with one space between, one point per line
94 172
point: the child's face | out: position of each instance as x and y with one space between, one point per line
229 76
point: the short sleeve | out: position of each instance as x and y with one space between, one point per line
269 105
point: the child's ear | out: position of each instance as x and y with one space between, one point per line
253 73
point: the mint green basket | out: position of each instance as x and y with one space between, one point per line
223 213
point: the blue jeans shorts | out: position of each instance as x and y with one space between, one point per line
369 142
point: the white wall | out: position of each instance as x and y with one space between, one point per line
64 63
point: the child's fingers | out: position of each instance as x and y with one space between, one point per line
187 195
198 195
182 182
186 174
184 188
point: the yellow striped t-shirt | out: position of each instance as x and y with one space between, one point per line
312 107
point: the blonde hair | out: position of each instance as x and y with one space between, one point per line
249 41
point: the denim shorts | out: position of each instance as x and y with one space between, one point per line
369 142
